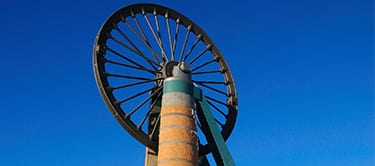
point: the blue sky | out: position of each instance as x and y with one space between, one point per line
304 71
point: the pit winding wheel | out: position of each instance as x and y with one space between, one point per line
134 52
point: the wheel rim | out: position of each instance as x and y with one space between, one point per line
131 53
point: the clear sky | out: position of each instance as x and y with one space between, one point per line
304 70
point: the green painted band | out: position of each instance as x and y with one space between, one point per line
178 86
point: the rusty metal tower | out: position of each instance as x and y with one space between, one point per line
167 84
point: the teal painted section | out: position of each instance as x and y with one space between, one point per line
178 86
218 138
197 93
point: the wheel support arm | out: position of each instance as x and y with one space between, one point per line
214 138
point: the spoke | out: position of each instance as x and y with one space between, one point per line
137 51
204 64
157 25
199 124
130 66
143 102
138 25
217 109
148 112
155 126
185 42
209 82
122 43
144 41
214 89
218 122
169 34
217 101
200 54
159 33
207 72
126 58
175 36
134 96
156 38
133 84
126 76
193 46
